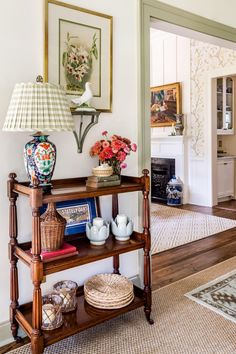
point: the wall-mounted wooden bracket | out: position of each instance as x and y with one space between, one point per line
83 127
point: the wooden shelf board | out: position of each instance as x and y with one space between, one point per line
88 192
75 188
87 253
84 317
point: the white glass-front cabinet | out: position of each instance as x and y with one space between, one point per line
225 105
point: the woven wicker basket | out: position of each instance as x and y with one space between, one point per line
102 172
52 229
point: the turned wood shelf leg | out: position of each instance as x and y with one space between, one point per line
115 211
116 264
147 236
147 287
14 287
14 295
37 346
37 340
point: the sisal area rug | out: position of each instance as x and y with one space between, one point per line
181 326
218 295
172 227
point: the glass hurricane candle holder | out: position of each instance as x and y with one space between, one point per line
67 291
51 312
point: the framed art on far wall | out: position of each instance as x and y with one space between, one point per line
165 103
78 49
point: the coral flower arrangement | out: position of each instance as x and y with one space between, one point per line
113 151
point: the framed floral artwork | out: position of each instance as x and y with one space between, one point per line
78 49
165 103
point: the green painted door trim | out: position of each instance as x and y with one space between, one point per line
154 9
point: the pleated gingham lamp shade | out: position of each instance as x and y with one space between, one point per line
39 107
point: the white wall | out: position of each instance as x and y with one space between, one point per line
216 10
21 38
170 62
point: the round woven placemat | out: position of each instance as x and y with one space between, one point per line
110 306
109 301
124 298
108 291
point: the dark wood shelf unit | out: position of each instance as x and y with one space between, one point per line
29 316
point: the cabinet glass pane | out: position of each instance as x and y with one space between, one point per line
219 103
229 103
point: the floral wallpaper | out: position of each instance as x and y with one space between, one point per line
204 57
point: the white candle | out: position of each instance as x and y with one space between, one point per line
104 165
66 296
98 222
121 219
48 313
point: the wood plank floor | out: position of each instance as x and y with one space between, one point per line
180 262
7 348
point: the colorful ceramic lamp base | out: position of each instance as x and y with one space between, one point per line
40 159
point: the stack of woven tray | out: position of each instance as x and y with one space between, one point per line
108 291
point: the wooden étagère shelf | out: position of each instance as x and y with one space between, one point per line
87 253
29 316
84 317
75 188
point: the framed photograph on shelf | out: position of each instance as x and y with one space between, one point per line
78 49
77 213
165 103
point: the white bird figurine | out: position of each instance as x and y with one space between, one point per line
85 98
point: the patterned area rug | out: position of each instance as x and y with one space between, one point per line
181 326
218 295
172 227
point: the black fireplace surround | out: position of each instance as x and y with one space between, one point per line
162 170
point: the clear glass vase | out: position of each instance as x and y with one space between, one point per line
115 164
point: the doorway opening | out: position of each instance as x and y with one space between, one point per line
195 152
194 61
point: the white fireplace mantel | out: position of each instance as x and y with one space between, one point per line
173 147
168 146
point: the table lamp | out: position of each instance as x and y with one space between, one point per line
39 107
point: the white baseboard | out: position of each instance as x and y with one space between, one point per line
5 329
225 199
136 280
6 335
